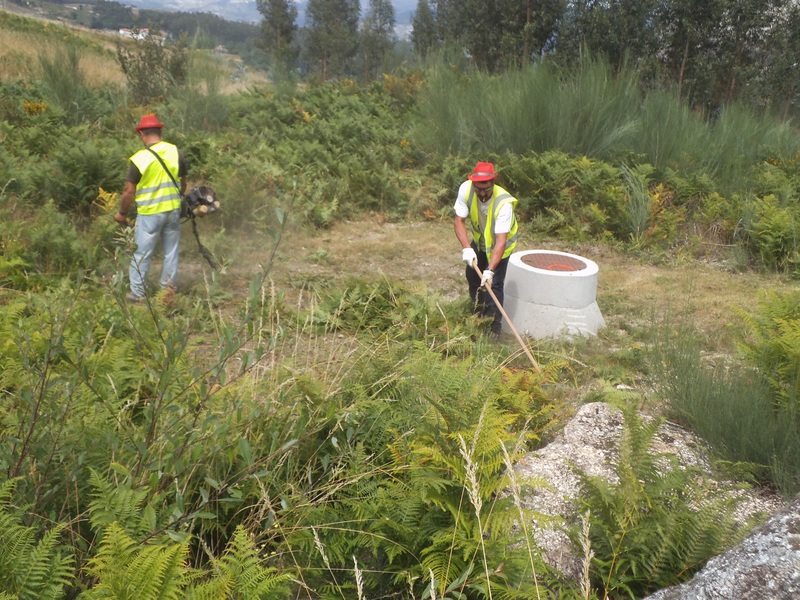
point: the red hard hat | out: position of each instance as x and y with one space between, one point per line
484 171
149 122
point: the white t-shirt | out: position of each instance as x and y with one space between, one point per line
503 222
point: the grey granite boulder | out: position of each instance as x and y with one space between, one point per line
764 566
590 441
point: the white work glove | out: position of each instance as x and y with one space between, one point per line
468 256
486 278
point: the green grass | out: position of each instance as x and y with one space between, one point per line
733 408
334 402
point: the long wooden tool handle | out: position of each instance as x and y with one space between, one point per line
510 324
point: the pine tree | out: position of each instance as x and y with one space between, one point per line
377 36
278 31
423 32
332 35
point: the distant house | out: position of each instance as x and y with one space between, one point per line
138 34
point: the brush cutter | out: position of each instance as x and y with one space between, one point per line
201 201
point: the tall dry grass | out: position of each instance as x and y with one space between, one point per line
20 49
23 40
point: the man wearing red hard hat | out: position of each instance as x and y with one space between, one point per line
156 182
490 210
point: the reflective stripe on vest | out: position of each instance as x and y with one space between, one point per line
155 192
485 240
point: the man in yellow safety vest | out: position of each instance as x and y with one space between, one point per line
153 184
490 210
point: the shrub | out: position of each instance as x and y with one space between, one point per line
79 165
52 243
65 85
770 341
199 104
342 143
576 197
773 234
153 69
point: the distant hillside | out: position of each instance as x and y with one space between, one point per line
230 10
205 30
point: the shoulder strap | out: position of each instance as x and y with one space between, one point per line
203 250
161 160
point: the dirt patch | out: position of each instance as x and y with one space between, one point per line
426 257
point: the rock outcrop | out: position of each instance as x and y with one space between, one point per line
765 566
590 441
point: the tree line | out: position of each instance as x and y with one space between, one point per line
710 53
335 42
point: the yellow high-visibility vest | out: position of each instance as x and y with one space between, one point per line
156 192
485 239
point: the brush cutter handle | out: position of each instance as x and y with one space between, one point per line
510 324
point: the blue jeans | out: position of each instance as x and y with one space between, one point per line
481 299
165 226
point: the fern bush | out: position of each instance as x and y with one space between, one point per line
126 569
657 524
52 243
395 492
75 171
575 197
773 234
770 341
339 136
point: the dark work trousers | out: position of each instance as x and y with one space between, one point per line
481 299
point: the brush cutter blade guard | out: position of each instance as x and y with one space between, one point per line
201 201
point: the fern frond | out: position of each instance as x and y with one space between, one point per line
30 569
243 565
116 503
127 571
47 572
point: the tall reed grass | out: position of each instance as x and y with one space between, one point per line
591 111
733 408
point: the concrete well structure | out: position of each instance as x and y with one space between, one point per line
552 294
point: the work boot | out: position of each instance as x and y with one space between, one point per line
131 297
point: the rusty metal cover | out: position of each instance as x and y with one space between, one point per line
553 262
